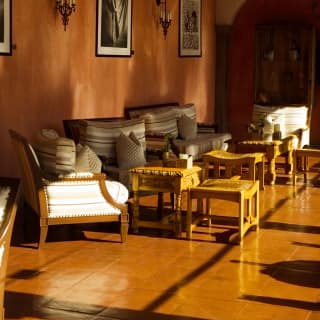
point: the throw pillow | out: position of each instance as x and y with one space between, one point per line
56 155
187 128
87 160
130 152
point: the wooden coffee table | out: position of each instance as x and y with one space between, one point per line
162 179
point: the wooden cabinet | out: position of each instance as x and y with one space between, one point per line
285 56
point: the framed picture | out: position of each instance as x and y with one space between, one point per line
113 34
190 28
5 27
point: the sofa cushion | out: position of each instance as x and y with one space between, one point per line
187 128
87 160
161 123
56 155
130 152
201 144
101 136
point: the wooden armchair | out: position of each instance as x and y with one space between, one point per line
71 199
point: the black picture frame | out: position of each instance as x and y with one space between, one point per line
5 27
114 28
190 29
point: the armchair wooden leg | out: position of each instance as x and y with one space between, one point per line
43 235
124 226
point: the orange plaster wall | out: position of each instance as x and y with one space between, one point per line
54 75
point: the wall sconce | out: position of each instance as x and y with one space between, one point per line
165 16
65 8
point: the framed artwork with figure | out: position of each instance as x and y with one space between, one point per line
113 31
5 27
190 28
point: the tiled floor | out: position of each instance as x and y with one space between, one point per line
274 275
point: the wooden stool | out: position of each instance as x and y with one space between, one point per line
272 150
227 164
240 191
303 154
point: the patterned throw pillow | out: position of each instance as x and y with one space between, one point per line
130 152
56 155
161 123
87 160
101 136
187 128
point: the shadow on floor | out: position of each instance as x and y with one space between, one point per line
305 273
21 305
305 305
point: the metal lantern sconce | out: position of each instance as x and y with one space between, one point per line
165 16
65 8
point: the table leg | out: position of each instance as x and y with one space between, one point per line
135 212
271 172
177 215
189 216
289 162
160 205
260 166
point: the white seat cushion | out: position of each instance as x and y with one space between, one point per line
69 199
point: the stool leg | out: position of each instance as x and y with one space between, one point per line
295 168
249 216
257 209
260 167
241 217
209 211
305 168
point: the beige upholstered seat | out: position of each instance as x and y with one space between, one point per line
73 198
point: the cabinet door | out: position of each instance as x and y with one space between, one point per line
284 72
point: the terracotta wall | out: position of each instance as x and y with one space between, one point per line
53 74
242 57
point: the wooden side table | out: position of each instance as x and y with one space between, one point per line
162 179
272 150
